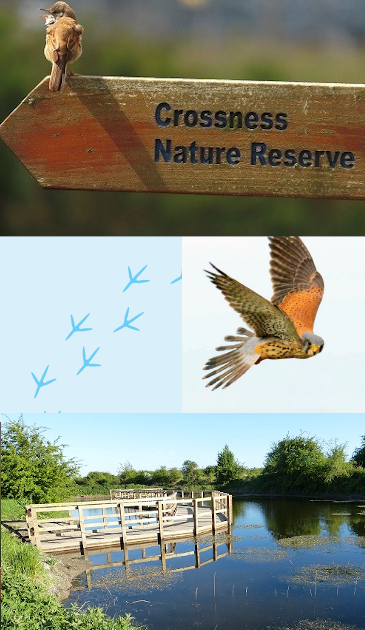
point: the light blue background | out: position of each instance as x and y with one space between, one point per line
45 280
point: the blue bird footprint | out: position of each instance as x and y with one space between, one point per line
77 328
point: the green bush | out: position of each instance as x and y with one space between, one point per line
27 604
34 469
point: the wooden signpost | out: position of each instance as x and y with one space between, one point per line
194 136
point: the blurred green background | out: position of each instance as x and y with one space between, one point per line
270 40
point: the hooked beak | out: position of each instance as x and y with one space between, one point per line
45 10
315 350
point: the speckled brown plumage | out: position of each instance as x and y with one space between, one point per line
298 287
283 327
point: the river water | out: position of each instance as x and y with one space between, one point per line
287 560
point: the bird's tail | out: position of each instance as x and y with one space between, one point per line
58 74
236 362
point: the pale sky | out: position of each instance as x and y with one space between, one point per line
148 441
330 382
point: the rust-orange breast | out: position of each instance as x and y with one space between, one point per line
302 306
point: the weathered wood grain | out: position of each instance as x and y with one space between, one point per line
177 520
100 133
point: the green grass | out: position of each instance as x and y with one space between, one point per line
11 510
26 602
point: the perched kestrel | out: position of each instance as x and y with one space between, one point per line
283 328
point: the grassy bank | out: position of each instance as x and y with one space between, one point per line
27 577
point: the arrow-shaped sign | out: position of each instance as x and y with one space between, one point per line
193 136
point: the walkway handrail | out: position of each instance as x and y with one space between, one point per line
124 515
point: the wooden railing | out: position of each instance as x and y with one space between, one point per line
129 517
127 493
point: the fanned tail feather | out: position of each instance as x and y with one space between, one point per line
234 363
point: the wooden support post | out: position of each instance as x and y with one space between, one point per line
214 516
105 519
82 526
126 558
30 526
122 522
230 512
160 520
36 532
196 516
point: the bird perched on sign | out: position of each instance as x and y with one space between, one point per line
63 41
283 328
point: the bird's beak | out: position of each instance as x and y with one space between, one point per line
315 350
45 10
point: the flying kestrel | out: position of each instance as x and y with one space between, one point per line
283 328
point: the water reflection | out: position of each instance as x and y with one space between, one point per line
195 553
287 560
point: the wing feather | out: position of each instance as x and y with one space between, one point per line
298 286
266 319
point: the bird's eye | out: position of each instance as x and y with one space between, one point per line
320 348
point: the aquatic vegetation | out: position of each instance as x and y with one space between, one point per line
307 542
141 579
318 624
260 554
335 574
224 538
249 526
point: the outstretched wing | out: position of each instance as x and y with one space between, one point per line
298 287
266 319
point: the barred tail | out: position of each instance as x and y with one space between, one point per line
236 362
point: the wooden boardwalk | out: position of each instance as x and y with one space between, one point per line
128 522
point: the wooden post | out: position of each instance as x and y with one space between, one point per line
126 557
160 520
105 519
214 516
139 507
230 512
30 524
196 516
82 526
34 520
122 522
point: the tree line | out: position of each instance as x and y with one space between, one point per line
36 470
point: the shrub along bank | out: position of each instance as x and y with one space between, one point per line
27 604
